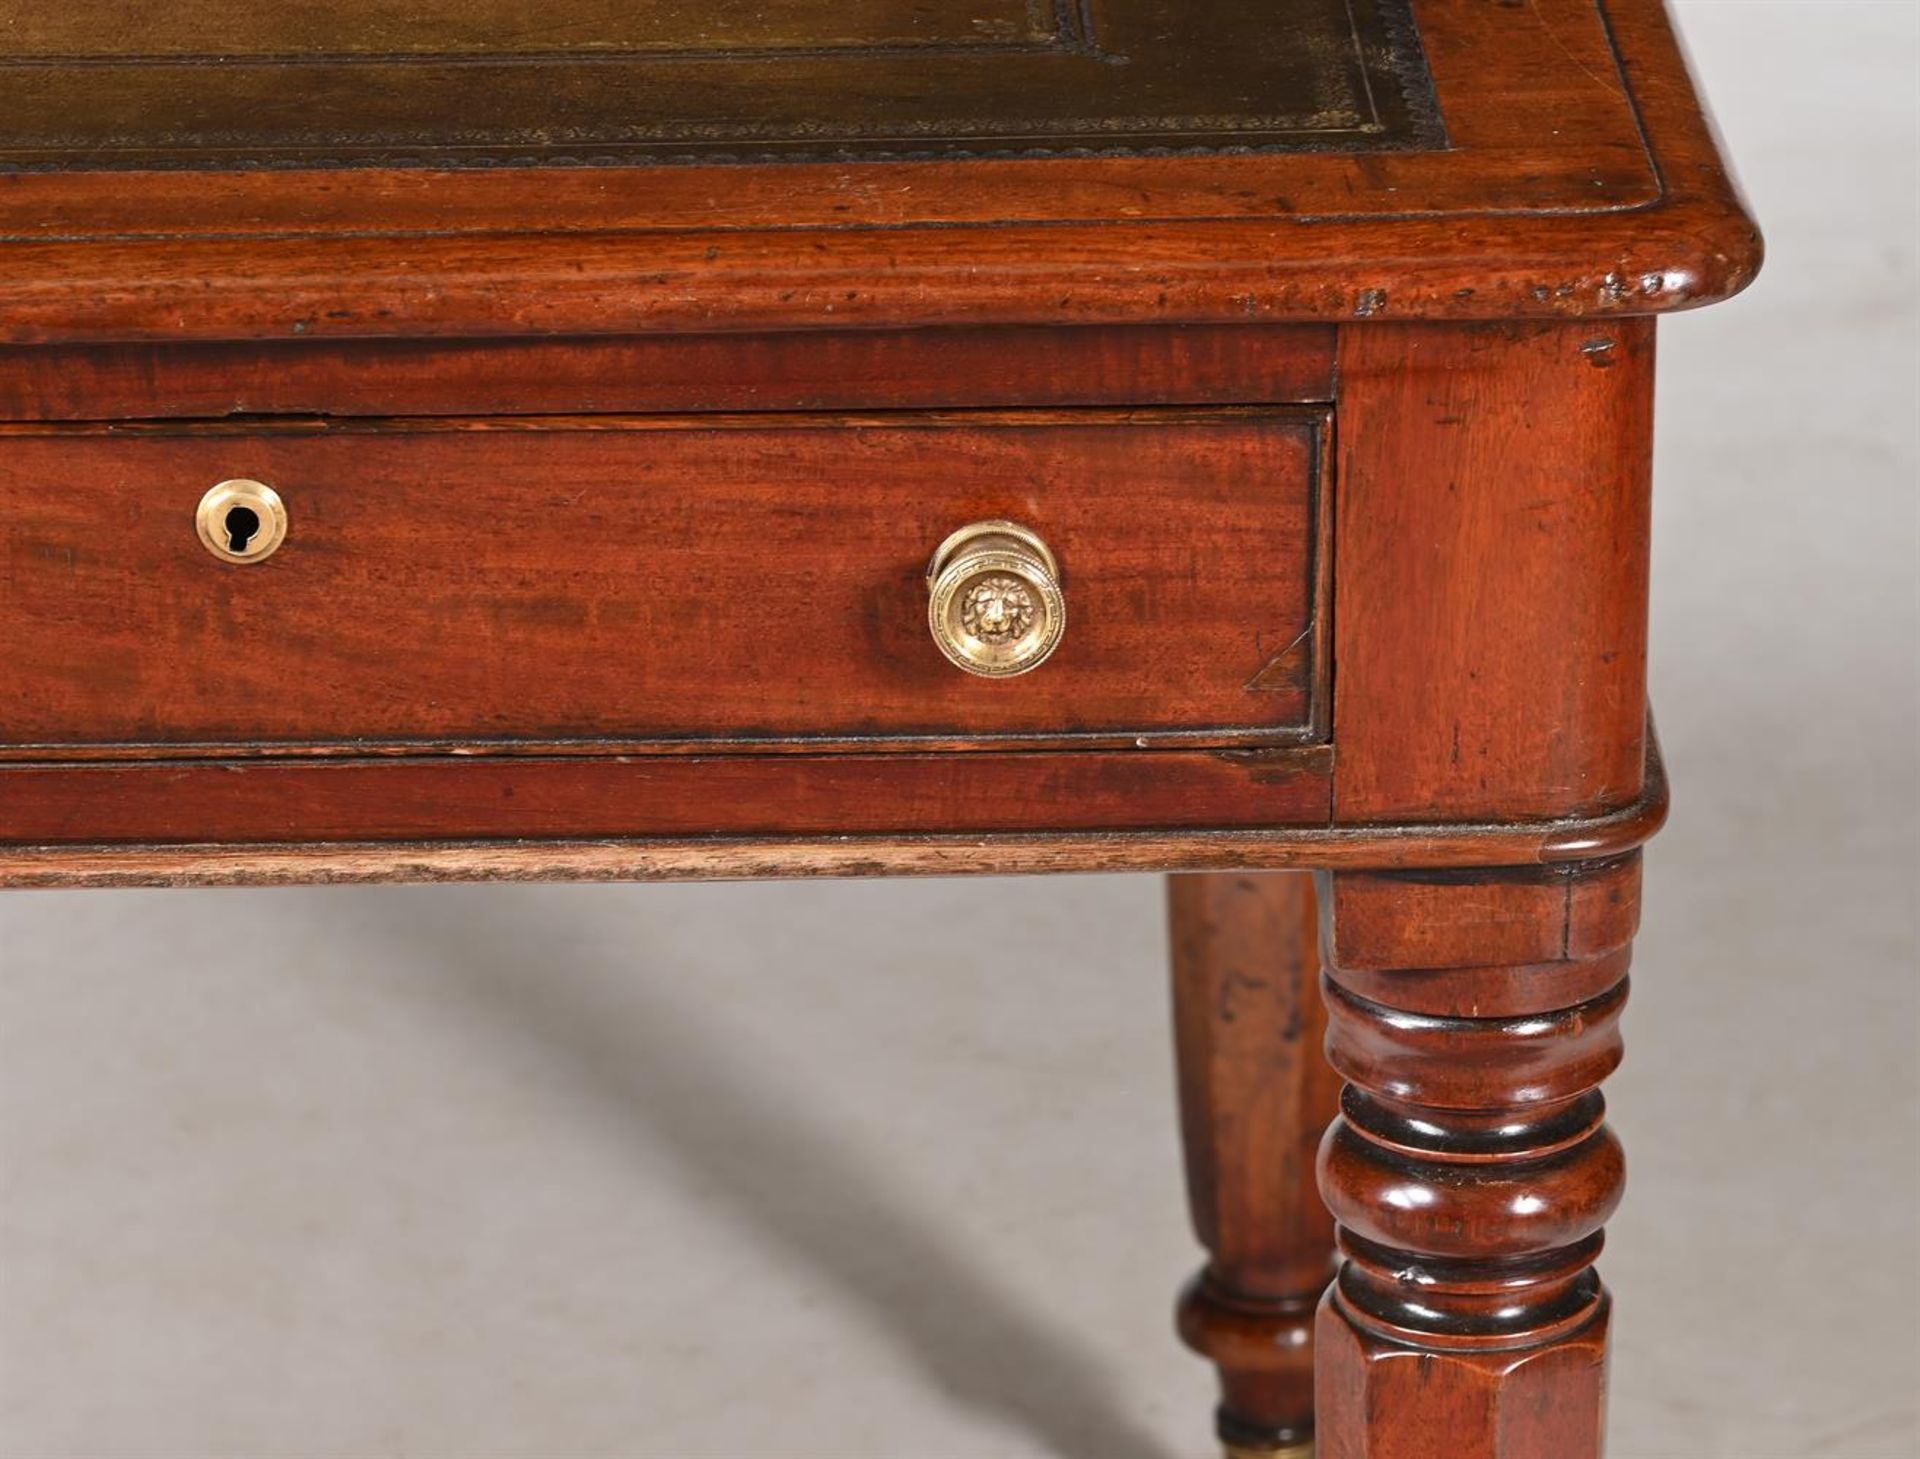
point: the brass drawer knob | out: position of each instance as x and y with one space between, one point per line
241 521
995 606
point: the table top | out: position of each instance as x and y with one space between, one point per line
218 169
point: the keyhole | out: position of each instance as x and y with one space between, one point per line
243 525
238 520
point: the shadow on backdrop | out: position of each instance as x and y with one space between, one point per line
783 1175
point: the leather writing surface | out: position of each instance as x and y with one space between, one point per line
218 84
517 27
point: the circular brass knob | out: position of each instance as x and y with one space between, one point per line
241 521
995 605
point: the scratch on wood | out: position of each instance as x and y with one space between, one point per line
1287 669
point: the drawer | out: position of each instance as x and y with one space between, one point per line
736 581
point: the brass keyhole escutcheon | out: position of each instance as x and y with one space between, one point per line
994 599
242 521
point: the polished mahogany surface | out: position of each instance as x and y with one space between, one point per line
859 166
603 581
617 371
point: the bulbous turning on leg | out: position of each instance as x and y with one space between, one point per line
1470 1172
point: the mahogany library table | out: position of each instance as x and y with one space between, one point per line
867 437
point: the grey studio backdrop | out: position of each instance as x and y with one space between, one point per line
652 1172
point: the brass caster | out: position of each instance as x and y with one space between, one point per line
1289 1451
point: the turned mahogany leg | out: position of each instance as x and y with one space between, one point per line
1473 1016
1255 1095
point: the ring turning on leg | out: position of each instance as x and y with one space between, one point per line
1473 1017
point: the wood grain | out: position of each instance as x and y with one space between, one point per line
711 858
1471 1169
582 798
612 485
1256 1093
804 371
743 578
1491 595
1403 920
1582 179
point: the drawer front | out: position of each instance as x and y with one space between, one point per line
740 581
